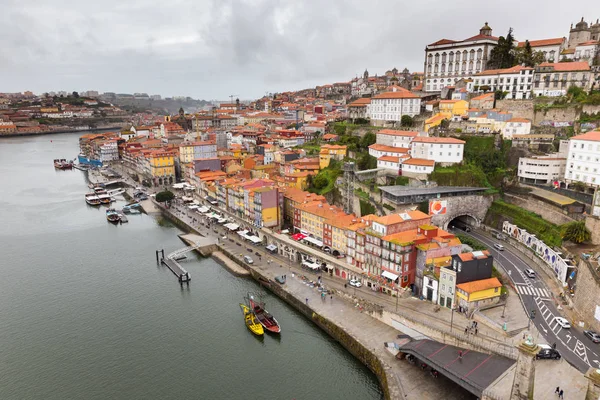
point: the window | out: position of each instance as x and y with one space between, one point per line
443 288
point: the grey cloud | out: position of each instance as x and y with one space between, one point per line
211 48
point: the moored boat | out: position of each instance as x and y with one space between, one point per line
251 321
112 216
104 198
92 199
264 317
62 164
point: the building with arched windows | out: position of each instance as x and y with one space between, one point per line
447 61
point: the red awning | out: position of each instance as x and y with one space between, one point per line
298 236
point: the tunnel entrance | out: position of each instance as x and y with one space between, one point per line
463 222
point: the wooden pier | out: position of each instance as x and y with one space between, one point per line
181 274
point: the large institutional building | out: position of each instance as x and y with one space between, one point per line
447 61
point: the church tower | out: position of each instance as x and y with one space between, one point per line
486 30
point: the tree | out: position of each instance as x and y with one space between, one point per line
576 232
526 56
320 182
367 161
76 95
406 120
503 55
500 95
368 140
165 196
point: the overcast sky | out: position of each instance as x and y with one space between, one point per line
210 49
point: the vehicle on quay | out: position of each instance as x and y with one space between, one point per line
547 352
112 216
92 199
264 317
562 322
530 273
594 336
280 279
354 282
248 260
63 164
499 246
251 321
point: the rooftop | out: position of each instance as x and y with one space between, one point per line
593 136
480 285
415 191
543 42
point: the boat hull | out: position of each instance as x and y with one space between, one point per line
268 321
251 322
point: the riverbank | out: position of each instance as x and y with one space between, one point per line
40 133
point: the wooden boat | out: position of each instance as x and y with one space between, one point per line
264 317
92 199
251 321
62 164
104 198
112 216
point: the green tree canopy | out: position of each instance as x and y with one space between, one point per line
576 232
368 140
525 55
503 55
367 161
406 120
320 181
164 196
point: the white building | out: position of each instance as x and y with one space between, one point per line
587 51
517 81
447 61
443 150
516 126
541 169
378 150
390 162
392 105
417 168
395 138
550 48
109 151
583 163
555 79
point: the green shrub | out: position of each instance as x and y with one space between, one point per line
471 242
388 207
366 208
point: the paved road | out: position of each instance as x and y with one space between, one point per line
535 295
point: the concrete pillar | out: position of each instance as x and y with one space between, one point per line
525 373
593 390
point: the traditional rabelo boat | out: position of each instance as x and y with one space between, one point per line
62 164
112 216
264 317
251 321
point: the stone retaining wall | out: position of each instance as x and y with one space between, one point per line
548 212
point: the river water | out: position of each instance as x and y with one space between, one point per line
86 313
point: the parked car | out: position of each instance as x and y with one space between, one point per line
562 322
594 336
530 273
547 352
355 283
248 260
499 246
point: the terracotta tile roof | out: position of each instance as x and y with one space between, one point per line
442 41
486 96
400 93
481 37
397 218
470 256
593 136
568 66
429 139
405 237
513 70
360 102
419 161
329 136
394 132
389 158
391 149
524 120
480 285
589 43
543 42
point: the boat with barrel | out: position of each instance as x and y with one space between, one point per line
62 163
251 321
264 317
92 199
112 216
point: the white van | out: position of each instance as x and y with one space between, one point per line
499 246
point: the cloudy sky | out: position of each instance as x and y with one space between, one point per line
210 49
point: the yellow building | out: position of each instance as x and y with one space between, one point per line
329 152
434 121
186 153
454 108
162 167
478 293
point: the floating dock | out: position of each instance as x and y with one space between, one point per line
181 274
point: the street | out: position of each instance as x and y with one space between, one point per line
535 295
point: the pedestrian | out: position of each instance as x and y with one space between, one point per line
475 331
466 330
557 391
460 354
561 394
307 301
331 298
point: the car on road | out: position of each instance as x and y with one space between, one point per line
562 322
248 260
355 283
530 273
499 246
594 336
547 352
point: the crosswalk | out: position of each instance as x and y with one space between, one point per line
532 291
